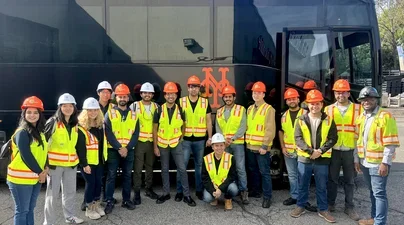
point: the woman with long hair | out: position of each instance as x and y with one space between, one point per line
28 170
65 141
92 160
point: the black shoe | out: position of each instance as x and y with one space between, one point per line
109 207
310 208
266 203
162 199
290 201
179 197
129 205
199 195
254 194
83 206
137 200
151 194
189 201
114 201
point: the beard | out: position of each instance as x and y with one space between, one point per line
122 103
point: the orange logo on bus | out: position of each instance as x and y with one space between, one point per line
211 84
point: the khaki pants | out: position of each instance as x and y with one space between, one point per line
144 155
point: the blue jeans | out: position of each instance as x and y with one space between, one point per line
232 191
24 197
260 164
197 148
92 190
305 171
237 150
113 163
291 166
378 194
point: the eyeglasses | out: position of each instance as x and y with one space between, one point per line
194 86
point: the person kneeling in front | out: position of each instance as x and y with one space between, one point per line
219 174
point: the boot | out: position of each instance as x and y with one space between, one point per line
137 200
228 204
244 197
214 203
151 194
99 209
91 213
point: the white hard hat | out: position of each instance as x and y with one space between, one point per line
91 103
218 138
104 85
147 87
66 98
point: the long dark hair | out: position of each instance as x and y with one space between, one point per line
73 120
34 131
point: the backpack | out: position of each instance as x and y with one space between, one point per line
5 151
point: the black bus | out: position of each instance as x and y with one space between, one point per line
50 47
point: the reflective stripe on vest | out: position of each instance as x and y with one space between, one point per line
62 148
220 175
256 125
169 133
325 127
18 172
346 124
230 127
289 130
145 121
122 130
383 132
196 118
92 147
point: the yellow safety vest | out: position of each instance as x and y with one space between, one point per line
231 126
122 130
196 119
145 121
18 172
383 132
220 175
92 147
256 125
169 133
62 148
325 127
289 130
346 124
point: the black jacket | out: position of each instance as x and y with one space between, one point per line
332 139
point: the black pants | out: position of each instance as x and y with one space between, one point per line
344 159
93 183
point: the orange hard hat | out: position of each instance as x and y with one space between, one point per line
314 96
32 102
310 85
228 90
341 85
194 80
300 84
291 93
122 89
170 87
259 87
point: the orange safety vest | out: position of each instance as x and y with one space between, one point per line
256 125
62 148
289 130
169 133
231 126
145 121
196 118
123 130
218 176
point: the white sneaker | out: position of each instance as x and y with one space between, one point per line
74 220
91 213
99 209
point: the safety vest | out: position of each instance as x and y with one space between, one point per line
383 132
18 172
231 126
196 119
346 124
122 130
169 133
325 127
256 125
62 148
145 121
220 175
289 130
92 147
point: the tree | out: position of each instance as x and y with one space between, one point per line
391 26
